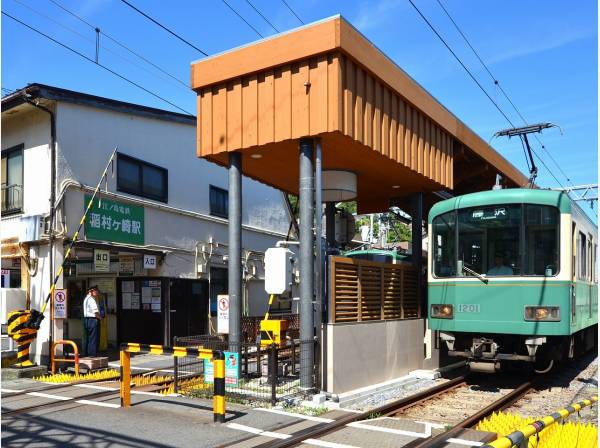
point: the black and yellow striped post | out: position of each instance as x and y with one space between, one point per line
521 437
23 335
218 357
219 387
125 386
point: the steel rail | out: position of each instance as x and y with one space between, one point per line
469 422
386 409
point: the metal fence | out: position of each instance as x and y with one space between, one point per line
264 373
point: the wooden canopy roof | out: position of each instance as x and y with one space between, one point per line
327 80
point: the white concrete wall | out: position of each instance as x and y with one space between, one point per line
366 353
33 130
87 136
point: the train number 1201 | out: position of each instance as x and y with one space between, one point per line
468 308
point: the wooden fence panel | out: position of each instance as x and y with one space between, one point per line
364 290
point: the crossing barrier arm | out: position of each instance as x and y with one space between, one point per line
521 438
217 356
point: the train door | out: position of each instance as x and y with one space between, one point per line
590 271
574 270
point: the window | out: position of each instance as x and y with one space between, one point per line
444 259
12 180
488 239
581 254
541 236
219 202
137 177
498 240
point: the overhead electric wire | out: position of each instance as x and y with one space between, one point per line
164 27
82 36
292 11
122 45
476 81
461 62
497 83
260 14
124 78
241 17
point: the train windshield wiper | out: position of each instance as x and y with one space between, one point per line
474 274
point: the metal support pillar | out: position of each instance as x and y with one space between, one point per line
330 224
306 264
235 252
416 202
319 266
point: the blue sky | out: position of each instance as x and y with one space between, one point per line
543 54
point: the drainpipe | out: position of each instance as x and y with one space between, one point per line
36 104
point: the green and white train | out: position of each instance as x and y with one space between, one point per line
512 276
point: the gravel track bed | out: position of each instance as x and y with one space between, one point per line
571 384
455 406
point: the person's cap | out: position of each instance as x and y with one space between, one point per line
92 288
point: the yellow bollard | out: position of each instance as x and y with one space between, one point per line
219 387
125 390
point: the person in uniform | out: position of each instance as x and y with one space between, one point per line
91 321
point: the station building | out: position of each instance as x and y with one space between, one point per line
156 240
299 111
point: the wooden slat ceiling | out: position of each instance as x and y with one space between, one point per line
326 80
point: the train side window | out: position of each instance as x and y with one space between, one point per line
582 255
541 240
595 265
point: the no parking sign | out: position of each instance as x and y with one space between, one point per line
60 303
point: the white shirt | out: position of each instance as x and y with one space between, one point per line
90 308
500 270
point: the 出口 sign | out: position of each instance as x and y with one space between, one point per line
114 221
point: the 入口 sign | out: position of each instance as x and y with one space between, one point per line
60 303
150 262
223 314
101 260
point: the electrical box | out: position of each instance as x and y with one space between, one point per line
278 270
32 228
272 331
344 227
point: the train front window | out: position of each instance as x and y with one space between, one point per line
541 240
497 241
444 236
488 239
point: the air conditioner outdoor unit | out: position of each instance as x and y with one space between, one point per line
32 228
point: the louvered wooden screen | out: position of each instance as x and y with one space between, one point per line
367 290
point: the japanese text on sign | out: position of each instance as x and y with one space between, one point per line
101 260
115 221
60 303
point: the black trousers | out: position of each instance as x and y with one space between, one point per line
92 331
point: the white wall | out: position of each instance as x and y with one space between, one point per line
33 130
88 135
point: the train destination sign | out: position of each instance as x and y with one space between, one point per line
485 214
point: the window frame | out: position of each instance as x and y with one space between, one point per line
219 190
522 234
140 192
581 256
5 154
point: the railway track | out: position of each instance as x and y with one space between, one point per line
412 404
110 390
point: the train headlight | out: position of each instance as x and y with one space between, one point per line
542 313
442 311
